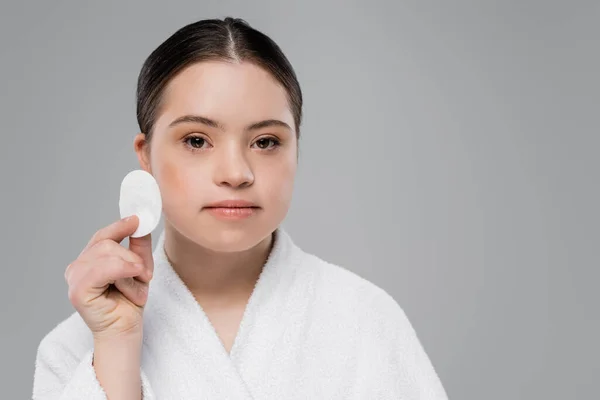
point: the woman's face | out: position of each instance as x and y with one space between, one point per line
225 132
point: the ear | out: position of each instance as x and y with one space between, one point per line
142 149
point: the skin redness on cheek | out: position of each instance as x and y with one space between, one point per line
167 176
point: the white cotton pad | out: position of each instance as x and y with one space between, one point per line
140 195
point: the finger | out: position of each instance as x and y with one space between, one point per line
134 290
68 271
142 247
117 231
86 280
108 248
108 270
90 278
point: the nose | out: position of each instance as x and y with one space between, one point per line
233 169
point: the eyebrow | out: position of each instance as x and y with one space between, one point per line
198 119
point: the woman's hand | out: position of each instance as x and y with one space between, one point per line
108 284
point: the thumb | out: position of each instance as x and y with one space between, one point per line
142 246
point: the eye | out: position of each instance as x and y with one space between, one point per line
196 142
267 143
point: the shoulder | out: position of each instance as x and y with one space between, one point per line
370 304
388 347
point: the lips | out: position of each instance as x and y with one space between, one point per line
232 204
232 209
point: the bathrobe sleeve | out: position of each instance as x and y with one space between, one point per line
60 375
398 366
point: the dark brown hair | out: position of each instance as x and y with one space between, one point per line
230 39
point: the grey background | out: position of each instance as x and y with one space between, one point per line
449 155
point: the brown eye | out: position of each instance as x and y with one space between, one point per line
267 143
195 142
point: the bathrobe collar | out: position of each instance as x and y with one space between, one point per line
173 317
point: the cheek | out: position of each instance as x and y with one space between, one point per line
280 182
175 185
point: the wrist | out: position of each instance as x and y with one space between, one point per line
124 347
117 365
129 336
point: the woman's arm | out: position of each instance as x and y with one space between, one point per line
117 366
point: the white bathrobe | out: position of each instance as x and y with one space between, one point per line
311 330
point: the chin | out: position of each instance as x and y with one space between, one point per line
230 238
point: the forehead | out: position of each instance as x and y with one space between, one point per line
233 93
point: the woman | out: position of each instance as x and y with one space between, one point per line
226 306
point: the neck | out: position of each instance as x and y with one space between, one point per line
212 275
